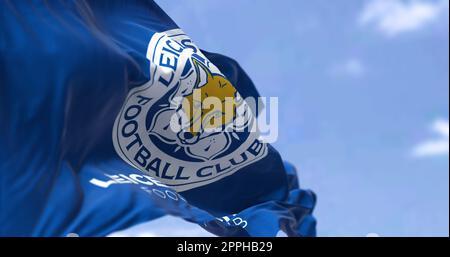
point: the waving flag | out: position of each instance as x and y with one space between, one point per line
88 92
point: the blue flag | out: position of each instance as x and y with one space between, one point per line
89 95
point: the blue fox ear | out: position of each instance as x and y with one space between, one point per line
186 69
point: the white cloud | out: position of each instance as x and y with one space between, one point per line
393 17
438 146
352 67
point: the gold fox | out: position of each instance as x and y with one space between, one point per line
211 105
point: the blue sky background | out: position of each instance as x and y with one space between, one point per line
363 91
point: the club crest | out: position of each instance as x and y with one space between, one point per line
187 126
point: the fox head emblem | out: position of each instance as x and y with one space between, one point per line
206 114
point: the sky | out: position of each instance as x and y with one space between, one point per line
363 90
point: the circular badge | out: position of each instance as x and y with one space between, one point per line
188 126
